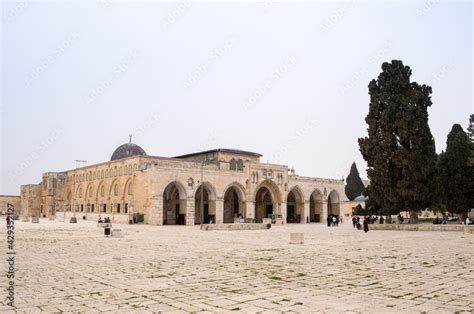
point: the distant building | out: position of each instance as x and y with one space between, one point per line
168 190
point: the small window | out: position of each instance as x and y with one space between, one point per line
115 172
240 165
104 208
102 189
116 190
102 174
126 208
135 167
92 208
233 164
130 169
118 208
130 188
120 171
82 208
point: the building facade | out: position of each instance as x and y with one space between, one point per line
218 185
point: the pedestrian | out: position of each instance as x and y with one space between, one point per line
467 221
354 221
329 221
366 224
333 221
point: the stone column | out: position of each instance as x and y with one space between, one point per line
156 211
284 212
324 213
190 211
219 211
305 215
250 209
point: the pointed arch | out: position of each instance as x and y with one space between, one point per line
239 188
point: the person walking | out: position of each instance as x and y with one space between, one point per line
329 221
366 224
354 221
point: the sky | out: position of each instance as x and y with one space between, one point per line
284 79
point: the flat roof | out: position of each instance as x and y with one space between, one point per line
222 150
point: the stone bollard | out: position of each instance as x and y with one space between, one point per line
35 220
73 220
296 238
469 229
117 233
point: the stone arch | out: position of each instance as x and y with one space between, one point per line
316 206
334 207
101 200
234 202
209 203
174 204
267 199
295 205
126 196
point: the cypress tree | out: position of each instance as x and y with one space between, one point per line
470 128
399 148
354 186
456 173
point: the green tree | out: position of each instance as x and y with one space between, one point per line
399 148
456 173
470 128
354 186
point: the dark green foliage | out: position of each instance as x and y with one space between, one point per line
354 186
399 148
456 173
470 128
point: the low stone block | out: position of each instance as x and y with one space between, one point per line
296 238
117 233
73 220
35 220
25 219
469 229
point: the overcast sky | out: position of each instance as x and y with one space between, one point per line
287 80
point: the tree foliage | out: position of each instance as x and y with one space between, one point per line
354 185
470 128
456 172
399 148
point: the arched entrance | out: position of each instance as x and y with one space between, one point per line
264 203
233 204
209 210
174 205
315 206
294 207
333 204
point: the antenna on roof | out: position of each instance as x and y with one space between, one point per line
130 136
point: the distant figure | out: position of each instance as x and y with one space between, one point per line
354 221
381 220
340 219
333 221
366 224
100 219
329 221
467 221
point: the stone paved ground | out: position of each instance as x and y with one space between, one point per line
64 267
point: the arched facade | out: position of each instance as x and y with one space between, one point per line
295 206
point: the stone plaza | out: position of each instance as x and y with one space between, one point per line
63 267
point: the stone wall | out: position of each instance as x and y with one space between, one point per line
10 199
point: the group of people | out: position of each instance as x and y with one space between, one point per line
333 221
106 219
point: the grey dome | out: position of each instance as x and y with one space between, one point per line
360 198
127 150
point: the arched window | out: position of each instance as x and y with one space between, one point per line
115 171
120 171
130 169
102 174
240 165
135 167
90 191
102 190
116 190
80 192
233 164
130 188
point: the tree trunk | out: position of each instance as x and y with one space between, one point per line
413 216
